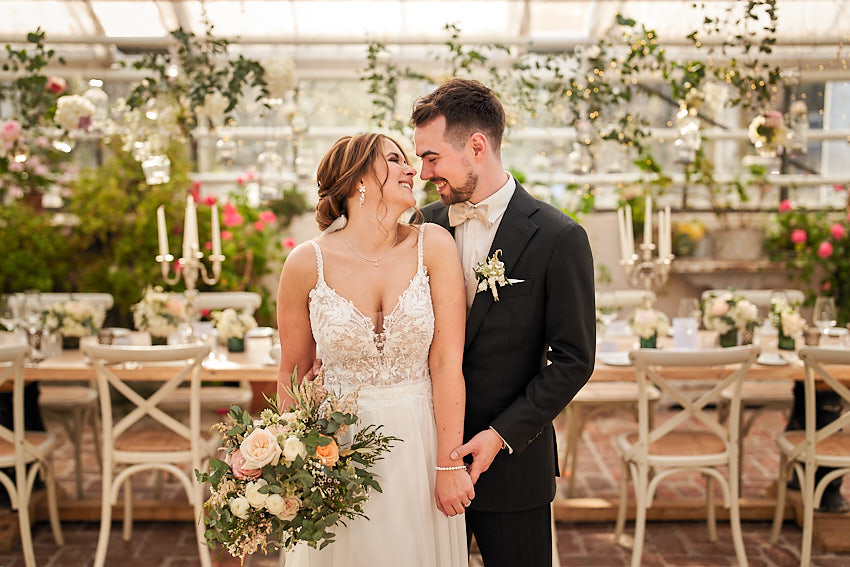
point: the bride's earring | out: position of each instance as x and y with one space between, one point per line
362 189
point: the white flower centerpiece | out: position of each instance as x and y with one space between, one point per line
73 319
159 313
648 324
728 314
232 326
786 318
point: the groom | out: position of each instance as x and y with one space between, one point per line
546 314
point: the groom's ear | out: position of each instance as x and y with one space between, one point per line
478 143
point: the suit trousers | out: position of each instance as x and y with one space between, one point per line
512 539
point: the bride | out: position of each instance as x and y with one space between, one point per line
382 304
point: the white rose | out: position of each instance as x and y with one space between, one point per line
292 448
792 323
253 495
275 504
240 507
290 508
260 448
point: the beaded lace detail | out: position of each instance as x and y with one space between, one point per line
355 355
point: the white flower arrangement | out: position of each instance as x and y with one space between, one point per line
73 318
279 76
490 274
726 311
648 323
74 112
159 313
232 324
786 317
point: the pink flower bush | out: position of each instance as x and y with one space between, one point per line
233 219
268 216
825 250
259 226
210 200
785 206
798 236
226 235
837 231
288 243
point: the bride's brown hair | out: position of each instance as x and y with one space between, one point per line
349 160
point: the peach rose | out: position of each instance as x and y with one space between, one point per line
260 448
240 471
291 505
329 454
719 308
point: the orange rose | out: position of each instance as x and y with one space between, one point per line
329 454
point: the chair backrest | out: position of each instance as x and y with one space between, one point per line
102 300
720 367
12 359
760 297
817 375
187 361
623 298
245 301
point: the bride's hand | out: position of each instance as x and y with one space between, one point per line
454 492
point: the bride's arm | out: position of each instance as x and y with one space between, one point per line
297 348
454 487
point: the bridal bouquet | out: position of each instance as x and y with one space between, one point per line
158 313
290 477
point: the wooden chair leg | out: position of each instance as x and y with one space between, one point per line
641 484
52 501
624 497
710 511
781 490
128 509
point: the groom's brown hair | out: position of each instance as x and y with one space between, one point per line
468 106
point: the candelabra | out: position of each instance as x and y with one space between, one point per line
645 269
190 267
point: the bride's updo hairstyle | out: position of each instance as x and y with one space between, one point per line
349 160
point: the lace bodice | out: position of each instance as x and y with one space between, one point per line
355 355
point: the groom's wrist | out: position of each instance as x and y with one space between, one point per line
505 445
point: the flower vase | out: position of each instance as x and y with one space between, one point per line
236 344
747 336
651 342
786 343
70 343
729 338
158 341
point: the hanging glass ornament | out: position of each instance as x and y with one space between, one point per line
798 127
688 138
269 166
579 160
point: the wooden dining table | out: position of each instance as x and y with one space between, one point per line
256 365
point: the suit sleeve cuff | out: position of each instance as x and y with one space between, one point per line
504 443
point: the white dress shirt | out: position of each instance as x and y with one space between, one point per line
474 239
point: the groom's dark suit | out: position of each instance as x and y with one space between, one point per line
550 315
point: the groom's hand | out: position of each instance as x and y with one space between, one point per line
483 447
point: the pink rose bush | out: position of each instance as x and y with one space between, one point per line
814 247
285 474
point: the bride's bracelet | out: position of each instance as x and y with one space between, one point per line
457 468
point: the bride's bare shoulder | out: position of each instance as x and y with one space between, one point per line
301 262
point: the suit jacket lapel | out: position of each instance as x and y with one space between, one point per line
512 237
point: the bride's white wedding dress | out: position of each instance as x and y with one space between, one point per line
390 368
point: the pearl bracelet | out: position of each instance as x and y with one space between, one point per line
457 468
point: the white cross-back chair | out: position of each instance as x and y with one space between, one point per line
27 452
804 451
147 438
691 440
73 404
759 396
599 397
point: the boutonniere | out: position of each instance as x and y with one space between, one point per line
490 274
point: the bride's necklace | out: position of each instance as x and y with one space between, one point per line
374 261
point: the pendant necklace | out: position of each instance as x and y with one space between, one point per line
374 261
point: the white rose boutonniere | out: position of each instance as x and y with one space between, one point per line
490 274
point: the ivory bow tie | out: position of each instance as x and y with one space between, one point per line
460 212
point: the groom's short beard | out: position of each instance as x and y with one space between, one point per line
462 193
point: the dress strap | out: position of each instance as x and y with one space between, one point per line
420 246
319 265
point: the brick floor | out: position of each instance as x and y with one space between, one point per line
667 544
